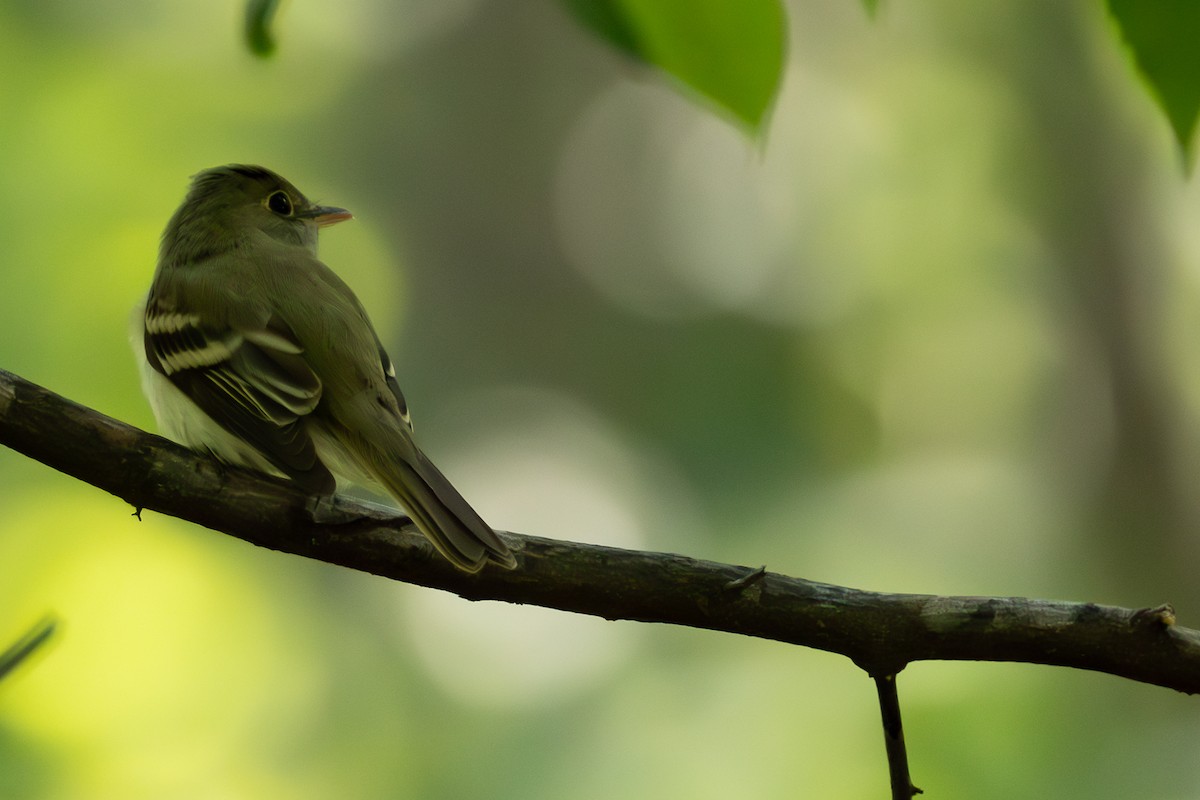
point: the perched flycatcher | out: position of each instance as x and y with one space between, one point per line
255 351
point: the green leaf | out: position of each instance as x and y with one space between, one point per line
730 51
1164 39
872 7
259 14
606 19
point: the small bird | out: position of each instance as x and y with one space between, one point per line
253 350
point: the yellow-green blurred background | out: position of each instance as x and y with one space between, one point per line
938 332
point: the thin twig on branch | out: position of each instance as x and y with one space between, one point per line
893 738
880 632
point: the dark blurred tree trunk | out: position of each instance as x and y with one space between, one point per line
1094 211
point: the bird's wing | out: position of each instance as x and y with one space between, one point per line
251 379
389 374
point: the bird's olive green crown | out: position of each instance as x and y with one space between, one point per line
226 205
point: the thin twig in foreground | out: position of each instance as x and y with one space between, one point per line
20 650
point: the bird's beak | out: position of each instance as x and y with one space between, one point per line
325 215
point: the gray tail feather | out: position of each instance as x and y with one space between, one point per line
442 514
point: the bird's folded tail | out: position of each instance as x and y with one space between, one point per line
440 512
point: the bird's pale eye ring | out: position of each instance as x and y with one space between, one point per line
280 203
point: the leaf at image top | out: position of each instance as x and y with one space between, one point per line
730 51
259 15
1164 38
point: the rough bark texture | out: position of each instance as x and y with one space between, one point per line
880 632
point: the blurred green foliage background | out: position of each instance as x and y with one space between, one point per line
937 332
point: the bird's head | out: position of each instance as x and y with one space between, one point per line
226 206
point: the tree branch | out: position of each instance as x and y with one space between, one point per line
880 632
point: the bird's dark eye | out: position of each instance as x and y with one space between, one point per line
280 203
